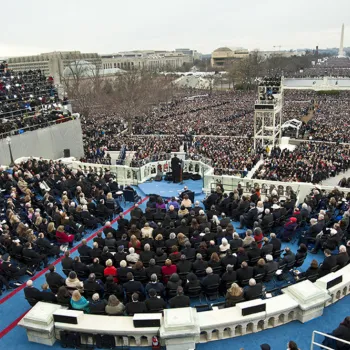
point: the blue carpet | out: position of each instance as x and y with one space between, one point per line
168 190
277 337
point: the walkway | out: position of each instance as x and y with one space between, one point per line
333 181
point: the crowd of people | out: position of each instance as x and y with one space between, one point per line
338 67
172 252
28 100
71 201
222 113
100 133
309 162
229 156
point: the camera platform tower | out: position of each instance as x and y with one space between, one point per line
268 113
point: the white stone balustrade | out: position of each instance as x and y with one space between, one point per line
39 324
311 300
121 327
182 328
341 289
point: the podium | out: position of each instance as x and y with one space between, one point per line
180 329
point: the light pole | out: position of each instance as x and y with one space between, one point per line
8 140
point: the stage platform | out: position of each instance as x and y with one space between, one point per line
168 189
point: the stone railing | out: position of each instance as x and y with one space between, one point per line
301 302
134 176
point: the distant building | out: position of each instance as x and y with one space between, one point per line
53 63
146 59
192 53
267 54
226 55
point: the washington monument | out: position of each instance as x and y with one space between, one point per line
341 47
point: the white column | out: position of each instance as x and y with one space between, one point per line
341 47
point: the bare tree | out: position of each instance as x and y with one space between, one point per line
82 81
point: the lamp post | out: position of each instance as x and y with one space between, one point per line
8 140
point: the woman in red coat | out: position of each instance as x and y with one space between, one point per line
167 270
110 270
63 237
258 236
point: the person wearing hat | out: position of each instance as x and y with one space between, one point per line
276 211
289 229
297 215
249 218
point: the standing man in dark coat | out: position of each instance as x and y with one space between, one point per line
176 168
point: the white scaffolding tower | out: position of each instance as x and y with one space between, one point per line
268 113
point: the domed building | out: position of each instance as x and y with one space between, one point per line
80 68
225 55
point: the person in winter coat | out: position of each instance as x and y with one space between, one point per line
289 228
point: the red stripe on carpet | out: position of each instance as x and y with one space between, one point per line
11 326
14 292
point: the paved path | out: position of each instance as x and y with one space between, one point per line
333 181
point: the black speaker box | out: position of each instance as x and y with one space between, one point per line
66 153
65 319
147 320
253 309
168 177
186 176
196 177
335 281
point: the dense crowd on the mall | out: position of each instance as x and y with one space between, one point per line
220 127
338 67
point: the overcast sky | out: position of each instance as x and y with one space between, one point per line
108 26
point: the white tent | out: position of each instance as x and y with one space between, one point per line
294 124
